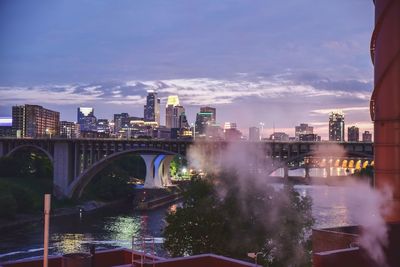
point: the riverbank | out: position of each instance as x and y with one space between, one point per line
88 206
148 199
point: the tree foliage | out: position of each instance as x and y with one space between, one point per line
227 216
26 164
112 182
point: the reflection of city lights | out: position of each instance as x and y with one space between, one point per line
69 243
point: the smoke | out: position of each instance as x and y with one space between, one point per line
366 206
367 209
242 170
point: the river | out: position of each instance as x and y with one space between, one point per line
110 228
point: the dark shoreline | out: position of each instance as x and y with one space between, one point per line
88 206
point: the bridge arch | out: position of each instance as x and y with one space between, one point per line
334 160
20 147
78 185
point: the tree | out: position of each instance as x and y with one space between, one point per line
227 216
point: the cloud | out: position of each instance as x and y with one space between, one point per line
283 100
333 109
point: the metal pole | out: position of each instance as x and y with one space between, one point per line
47 198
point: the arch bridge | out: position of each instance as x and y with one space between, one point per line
77 161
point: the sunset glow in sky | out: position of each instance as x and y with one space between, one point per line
278 62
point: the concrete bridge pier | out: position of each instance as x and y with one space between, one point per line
150 170
328 172
307 169
63 168
285 172
158 170
166 164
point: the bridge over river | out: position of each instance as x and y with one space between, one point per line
77 161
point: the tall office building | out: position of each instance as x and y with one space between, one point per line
103 126
211 110
303 129
152 107
367 136
254 134
86 119
69 129
336 126
173 111
203 121
35 121
353 134
120 121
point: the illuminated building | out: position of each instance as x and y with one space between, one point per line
103 126
35 121
336 126
279 136
353 134
152 108
254 134
173 100
302 129
69 129
173 111
211 110
203 120
86 119
120 121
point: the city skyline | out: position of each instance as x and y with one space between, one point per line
280 66
86 118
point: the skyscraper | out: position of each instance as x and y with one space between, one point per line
353 134
203 120
173 111
35 121
211 110
152 107
254 134
120 121
303 129
336 126
86 119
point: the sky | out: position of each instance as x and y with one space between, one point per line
281 63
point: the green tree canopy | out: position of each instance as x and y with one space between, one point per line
231 216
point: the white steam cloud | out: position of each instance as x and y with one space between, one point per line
366 206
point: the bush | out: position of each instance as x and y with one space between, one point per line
8 204
24 199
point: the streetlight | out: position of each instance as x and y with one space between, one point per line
48 132
254 256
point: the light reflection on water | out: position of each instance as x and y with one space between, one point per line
115 227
